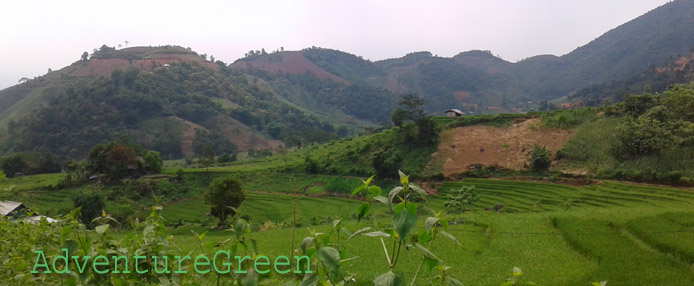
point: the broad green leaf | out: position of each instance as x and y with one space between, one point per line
426 252
382 199
508 283
101 229
404 179
375 190
404 223
412 208
430 222
368 181
430 210
450 236
394 192
310 280
388 279
444 223
306 243
376 234
424 236
357 190
399 207
362 211
419 191
358 232
330 258
336 223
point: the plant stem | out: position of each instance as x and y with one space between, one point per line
422 262
386 251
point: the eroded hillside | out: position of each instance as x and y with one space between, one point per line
464 147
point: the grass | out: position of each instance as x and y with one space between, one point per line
558 234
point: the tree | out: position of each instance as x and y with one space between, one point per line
427 133
412 104
85 56
13 164
398 116
152 162
91 207
225 195
207 158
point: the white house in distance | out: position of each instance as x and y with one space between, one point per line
453 113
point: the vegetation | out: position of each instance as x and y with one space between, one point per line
225 195
645 138
29 163
539 158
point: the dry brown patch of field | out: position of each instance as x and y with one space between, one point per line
506 147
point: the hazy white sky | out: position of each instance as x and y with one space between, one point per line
37 35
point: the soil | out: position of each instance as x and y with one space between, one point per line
507 147
292 62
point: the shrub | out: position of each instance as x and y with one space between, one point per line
540 158
459 199
91 207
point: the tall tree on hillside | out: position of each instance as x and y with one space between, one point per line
412 104
398 116
85 56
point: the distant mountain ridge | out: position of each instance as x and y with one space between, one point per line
298 97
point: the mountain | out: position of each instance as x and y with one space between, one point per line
174 100
164 98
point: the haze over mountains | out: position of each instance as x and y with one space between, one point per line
160 96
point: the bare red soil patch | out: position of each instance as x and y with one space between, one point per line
506 147
289 62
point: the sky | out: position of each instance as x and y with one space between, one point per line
36 35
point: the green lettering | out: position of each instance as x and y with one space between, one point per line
180 261
137 263
285 263
298 264
84 265
166 265
241 259
227 264
266 263
115 267
97 263
206 263
64 259
44 264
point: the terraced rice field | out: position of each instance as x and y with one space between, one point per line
261 207
518 196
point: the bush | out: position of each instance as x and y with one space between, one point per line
91 207
540 159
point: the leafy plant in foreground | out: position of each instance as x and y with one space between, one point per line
403 202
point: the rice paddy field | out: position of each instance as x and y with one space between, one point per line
626 234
